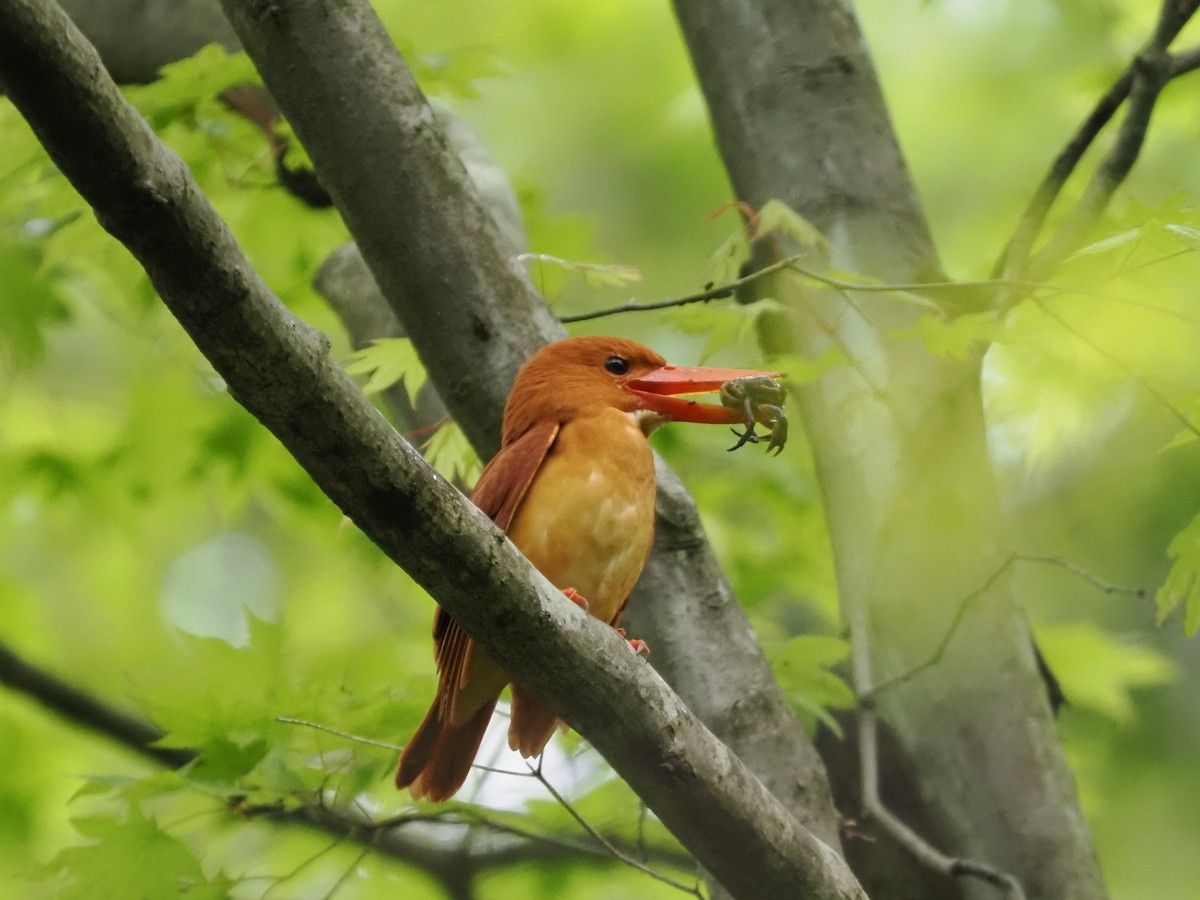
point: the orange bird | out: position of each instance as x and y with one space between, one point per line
573 487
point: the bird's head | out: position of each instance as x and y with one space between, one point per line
577 376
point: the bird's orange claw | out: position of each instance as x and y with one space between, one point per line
637 645
575 597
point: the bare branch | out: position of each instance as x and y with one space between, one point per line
1139 379
79 706
536 771
940 650
288 720
1140 83
1090 577
792 263
873 806
868 696
1016 253
868 752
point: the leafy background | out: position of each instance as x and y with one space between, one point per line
158 549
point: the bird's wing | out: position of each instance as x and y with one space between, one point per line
501 487
507 477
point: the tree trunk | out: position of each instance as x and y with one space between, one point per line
899 441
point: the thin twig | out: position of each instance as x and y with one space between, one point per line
342 734
868 755
403 819
1142 382
1016 251
1185 61
725 291
359 739
276 881
616 852
717 293
337 885
1151 74
935 657
1090 577
868 724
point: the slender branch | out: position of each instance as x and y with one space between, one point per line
1016 252
926 853
792 263
349 870
1090 577
1140 84
288 720
85 709
631 305
536 771
868 726
1140 380
868 696
1150 76
277 880
1185 61
940 650
868 753
279 369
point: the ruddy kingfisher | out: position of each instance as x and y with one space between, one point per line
573 487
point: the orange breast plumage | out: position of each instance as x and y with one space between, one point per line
587 521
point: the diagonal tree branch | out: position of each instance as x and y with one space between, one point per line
279 369
79 706
1140 84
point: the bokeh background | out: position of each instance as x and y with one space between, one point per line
159 549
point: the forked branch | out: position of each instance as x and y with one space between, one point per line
1140 84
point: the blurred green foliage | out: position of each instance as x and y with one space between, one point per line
157 548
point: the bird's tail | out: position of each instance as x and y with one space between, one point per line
437 760
532 723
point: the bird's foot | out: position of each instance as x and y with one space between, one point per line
636 645
575 597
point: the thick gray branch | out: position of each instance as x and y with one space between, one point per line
279 369
433 249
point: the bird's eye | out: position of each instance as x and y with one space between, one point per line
617 365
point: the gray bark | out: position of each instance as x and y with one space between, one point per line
136 38
279 369
899 443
